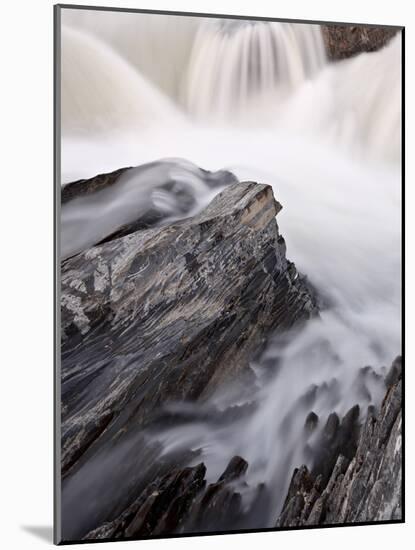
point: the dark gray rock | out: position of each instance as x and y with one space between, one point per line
108 206
181 502
161 507
236 468
364 484
311 422
395 372
170 313
338 438
220 506
157 316
88 186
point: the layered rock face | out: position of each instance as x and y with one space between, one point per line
359 479
343 41
159 315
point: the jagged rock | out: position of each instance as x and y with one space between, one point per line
88 186
344 41
236 468
366 381
161 507
311 422
338 438
395 372
164 315
100 182
180 500
137 197
364 484
220 506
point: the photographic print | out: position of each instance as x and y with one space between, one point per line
229 287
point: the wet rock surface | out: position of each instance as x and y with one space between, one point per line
156 316
357 473
112 205
88 186
356 477
162 506
343 41
181 501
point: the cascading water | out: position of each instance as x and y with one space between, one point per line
260 100
158 47
236 63
101 90
154 193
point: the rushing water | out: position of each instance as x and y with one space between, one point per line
233 64
262 101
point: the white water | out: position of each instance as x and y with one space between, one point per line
143 42
325 136
100 90
234 64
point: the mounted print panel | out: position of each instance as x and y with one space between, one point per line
229 274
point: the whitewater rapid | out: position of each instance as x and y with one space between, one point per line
325 136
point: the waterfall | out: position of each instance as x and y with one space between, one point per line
103 92
129 75
157 47
234 63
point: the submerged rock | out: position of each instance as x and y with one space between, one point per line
360 478
164 315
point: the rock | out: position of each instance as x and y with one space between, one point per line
311 422
395 372
220 506
336 437
365 482
344 41
170 313
180 501
164 315
236 468
116 204
161 507
100 182
88 186
366 383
